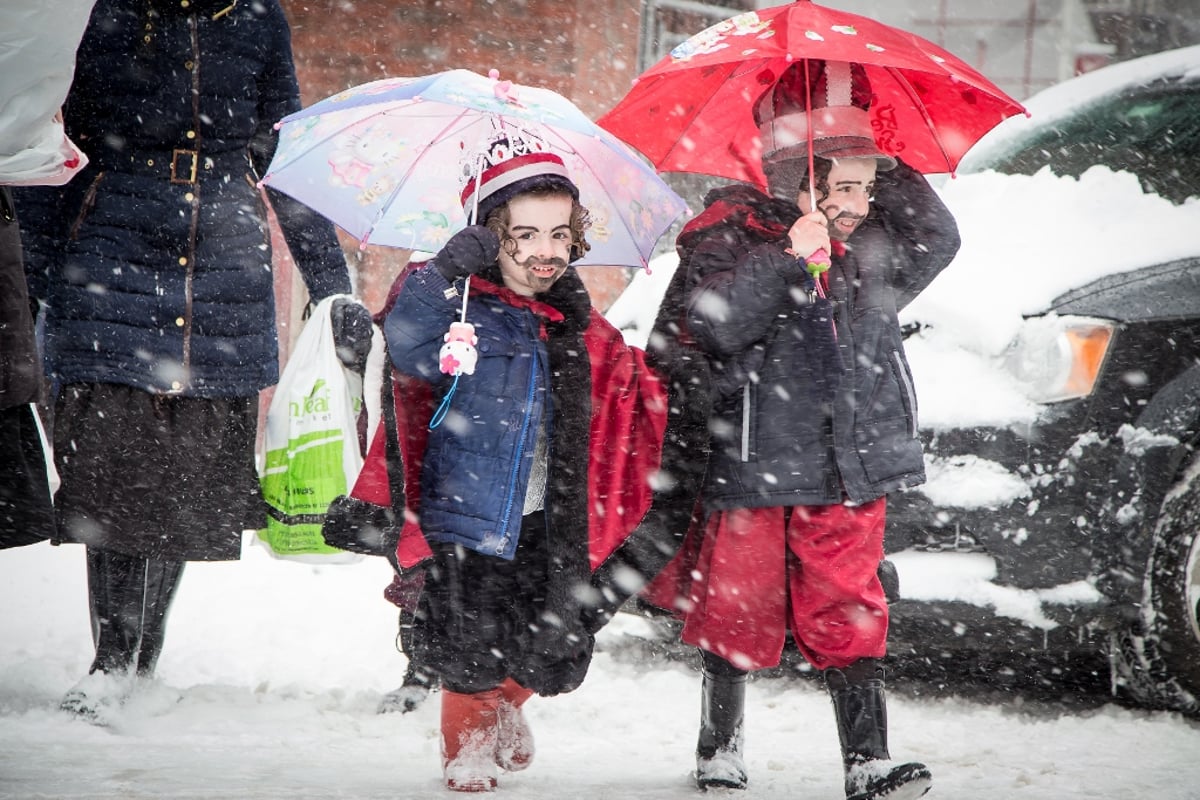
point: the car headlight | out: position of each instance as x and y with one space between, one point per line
1059 358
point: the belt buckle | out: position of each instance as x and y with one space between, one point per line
191 171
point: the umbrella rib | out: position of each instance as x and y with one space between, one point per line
624 224
735 67
920 106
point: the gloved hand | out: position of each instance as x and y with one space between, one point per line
351 324
467 252
894 189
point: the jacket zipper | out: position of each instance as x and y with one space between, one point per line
909 391
746 399
193 229
530 393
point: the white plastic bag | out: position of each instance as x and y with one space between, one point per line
310 446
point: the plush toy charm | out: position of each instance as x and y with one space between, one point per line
818 262
458 355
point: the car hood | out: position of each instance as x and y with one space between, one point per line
1160 292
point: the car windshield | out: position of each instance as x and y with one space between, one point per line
1151 131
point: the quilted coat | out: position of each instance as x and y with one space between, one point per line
155 262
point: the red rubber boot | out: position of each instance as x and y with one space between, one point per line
514 748
469 734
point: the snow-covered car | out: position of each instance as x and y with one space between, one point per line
1057 362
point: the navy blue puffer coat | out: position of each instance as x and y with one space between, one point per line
155 263
477 464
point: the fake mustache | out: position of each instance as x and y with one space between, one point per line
534 261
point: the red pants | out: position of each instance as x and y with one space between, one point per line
755 577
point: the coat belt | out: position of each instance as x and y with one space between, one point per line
180 166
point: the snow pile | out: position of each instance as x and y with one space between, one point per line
272 671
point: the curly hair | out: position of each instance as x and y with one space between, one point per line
787 180
581 220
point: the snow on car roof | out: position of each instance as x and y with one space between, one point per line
1063 99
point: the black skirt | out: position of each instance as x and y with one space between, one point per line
476 611
156 476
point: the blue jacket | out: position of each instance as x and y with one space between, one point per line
154 263
478 460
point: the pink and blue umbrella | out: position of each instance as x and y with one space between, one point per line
387 161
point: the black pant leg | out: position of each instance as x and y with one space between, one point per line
161 583
115 584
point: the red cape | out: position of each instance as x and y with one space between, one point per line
629 417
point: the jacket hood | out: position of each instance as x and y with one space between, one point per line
743 206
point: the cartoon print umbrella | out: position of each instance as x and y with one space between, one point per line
691 112
386 161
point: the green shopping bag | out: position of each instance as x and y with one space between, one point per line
311 453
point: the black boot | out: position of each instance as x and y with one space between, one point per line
858 705
419 681
418 684
115 602
722 711
160 582
116 615
129 598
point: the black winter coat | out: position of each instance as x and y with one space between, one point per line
801 416
26 515
20 369
155 262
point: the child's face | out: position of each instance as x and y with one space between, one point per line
541 228
851 185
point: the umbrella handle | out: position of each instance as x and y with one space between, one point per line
819 260
471 220
812 184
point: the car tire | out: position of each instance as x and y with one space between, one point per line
1156 658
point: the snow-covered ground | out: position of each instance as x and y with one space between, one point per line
272 670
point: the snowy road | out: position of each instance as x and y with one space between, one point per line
272 671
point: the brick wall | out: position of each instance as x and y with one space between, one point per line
584 49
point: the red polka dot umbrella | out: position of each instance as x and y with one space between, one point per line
691 112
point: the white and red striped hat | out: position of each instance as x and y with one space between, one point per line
511 163
841 124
